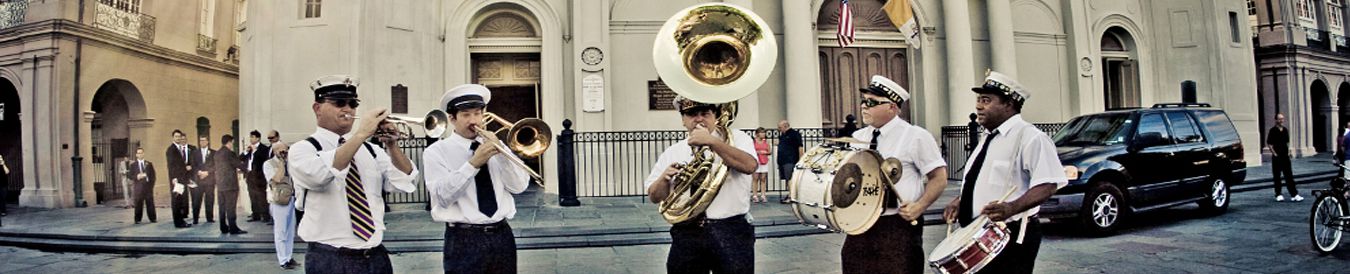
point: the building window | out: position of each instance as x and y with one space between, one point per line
203 128
313 8
1335 17
1307 13
1233 27
399 94
132 6
206 26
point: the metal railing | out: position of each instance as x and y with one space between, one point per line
957 146
413 148
12 12
130 24
206 44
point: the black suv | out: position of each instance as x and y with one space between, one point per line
1125 161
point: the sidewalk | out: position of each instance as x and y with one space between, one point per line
539 223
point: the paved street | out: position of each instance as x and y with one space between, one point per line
1257 235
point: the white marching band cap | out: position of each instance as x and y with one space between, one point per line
997 83
884 87
465 96
334 87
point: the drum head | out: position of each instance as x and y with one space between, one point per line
847 185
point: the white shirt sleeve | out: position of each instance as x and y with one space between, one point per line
512 177
395 179
444 179
1041 161
746 145
925 153
312 169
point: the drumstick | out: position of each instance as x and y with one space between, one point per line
1005 197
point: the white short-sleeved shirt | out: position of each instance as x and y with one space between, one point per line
1020 157
915 148
454 192
734 197
327 218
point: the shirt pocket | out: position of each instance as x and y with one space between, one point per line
1000 175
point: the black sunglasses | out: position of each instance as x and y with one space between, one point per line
869 102
341 103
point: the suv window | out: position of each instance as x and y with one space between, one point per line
1183 129
1220 128
1101 130
1153 124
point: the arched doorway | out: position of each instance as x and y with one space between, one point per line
505 48
11 139
1321 116
117 105
1120 68
1342 103
845 70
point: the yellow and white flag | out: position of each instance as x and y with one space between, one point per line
901 13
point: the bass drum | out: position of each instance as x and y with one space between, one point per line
838 188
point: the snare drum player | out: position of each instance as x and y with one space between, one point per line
1014 156
341 177
895 243
471 183
721 240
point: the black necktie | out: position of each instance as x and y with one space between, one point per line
185 154
876 134
487 198
968 191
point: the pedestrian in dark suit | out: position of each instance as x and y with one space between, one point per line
142 173
178 156
206 182
254 156
226 168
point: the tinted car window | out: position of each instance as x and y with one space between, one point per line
1153 123
1183 129
1102 130
1220 128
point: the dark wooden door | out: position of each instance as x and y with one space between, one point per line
845 70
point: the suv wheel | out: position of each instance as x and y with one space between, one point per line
1103 209
1216 199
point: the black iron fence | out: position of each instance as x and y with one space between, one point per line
957 145
615 163
413 148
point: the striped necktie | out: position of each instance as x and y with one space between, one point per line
357 207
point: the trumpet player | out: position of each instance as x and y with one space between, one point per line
471 181
895 243
722 239
340 177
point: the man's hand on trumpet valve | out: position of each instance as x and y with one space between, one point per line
369 122
388 134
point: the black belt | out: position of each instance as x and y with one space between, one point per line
703 220
499 225
348 251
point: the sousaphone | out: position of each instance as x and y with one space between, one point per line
711 53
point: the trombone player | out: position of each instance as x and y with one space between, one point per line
471 181
720 240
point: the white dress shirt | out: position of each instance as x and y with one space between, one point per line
915 148
327 219
734 197
454 192
1020 157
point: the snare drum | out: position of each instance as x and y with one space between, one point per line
838 188
970 248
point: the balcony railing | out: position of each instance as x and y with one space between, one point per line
130 24
206 44
12 12
1319 39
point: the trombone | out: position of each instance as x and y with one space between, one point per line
527 138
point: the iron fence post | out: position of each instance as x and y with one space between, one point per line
567 179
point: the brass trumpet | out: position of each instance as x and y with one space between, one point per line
434 123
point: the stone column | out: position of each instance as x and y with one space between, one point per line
1001 41
960 64
801 65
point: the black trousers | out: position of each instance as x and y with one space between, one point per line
479 249
144 200
1281 166
322 258
229 200
257 196
892 245
206 193
178 205
1018 258
719 246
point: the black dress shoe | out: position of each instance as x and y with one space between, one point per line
237 232
210 221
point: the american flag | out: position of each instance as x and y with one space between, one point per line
845 32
